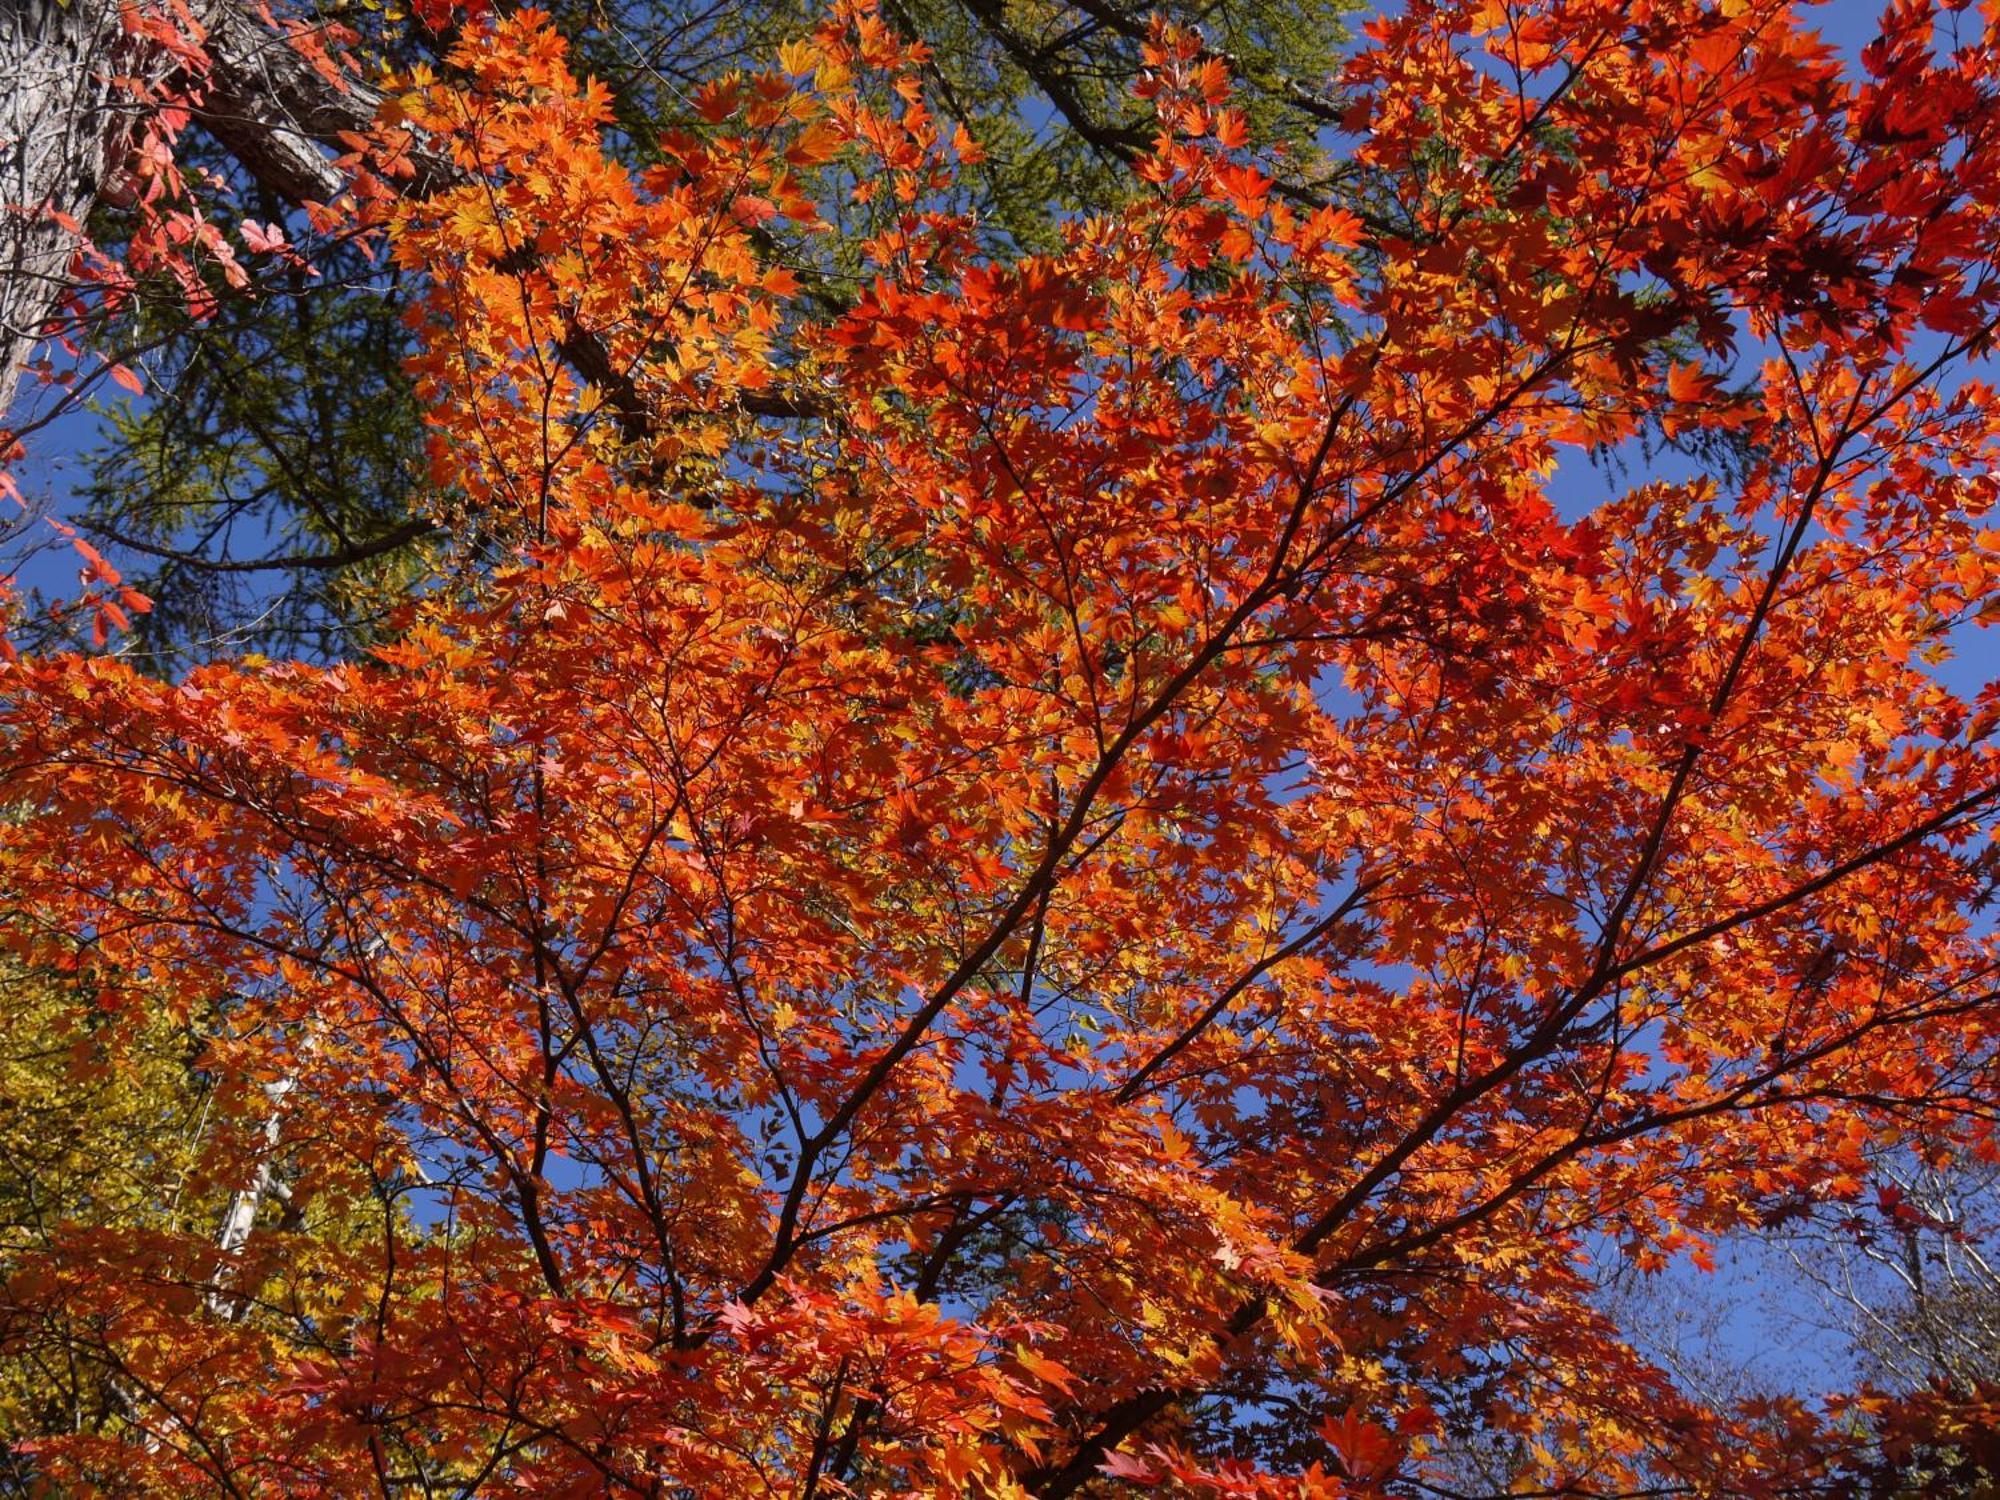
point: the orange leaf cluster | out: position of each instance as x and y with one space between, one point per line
1072 875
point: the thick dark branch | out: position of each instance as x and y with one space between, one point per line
400 535
277 114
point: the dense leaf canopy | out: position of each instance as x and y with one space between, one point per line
1080 870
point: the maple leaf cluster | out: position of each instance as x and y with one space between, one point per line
1071 877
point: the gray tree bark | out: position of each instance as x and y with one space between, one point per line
64 125
60 128
278 115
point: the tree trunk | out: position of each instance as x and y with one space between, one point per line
241 1217
58 127
63 126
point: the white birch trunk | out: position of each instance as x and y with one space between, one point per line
243 1207
241 1216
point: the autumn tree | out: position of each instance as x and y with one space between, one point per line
1087 874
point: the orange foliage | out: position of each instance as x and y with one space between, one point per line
1115 896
